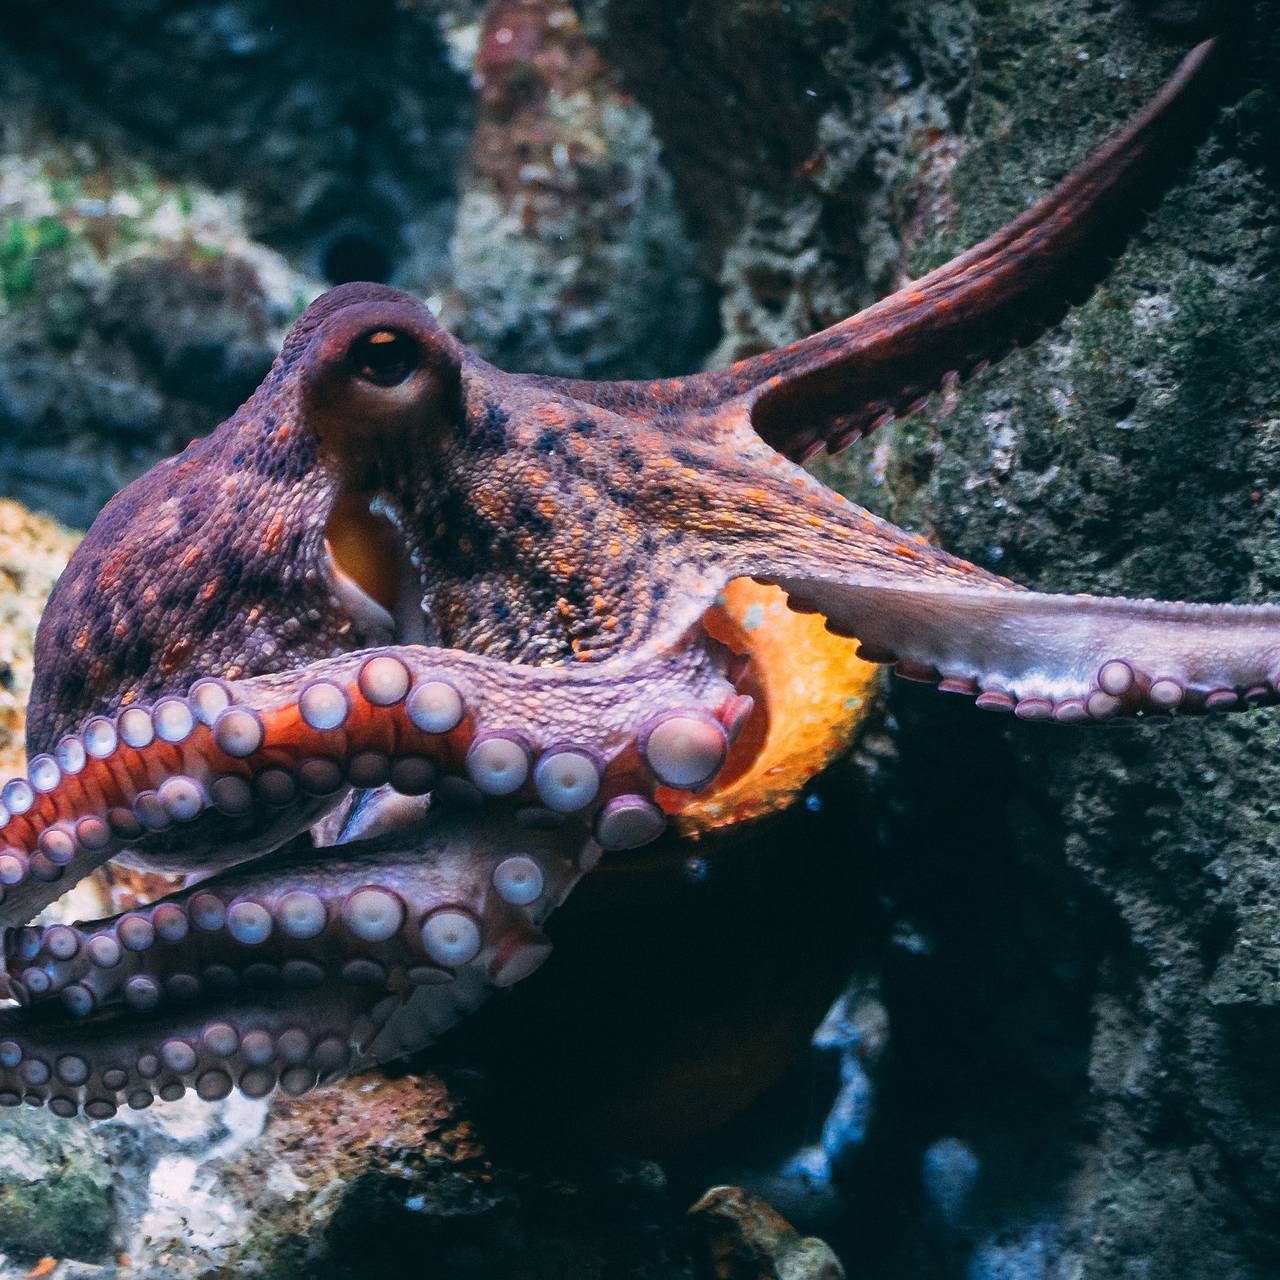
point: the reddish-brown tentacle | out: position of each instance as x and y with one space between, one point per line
353 913
938 618
257 1043
234 769
830 388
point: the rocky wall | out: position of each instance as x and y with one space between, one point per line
1080 988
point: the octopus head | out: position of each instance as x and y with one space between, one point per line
258 547
379 375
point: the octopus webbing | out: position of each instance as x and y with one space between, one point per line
408 644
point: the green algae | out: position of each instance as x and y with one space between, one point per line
23 243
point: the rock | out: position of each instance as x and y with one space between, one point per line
339 132
284 1188
742 1238
56 1190
136 310
169 208
1080 975
124 335
1121 975
385 1177
33 551
569 252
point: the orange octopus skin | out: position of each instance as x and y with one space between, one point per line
812 692
409 643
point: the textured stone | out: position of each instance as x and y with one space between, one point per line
569 252
178 180
33 551
56 1192
385 1177
131 319
743 1238
340 127
1082 980
1118 978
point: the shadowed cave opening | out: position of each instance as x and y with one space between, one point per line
357 253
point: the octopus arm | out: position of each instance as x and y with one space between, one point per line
229 770
828 389
1066 658
287 975
837 385
260 1042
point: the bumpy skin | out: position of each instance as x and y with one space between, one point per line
535 556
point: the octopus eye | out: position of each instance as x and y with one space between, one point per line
385 358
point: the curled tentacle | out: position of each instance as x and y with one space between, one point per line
364 913
232 769
830 388
291 1041
290 974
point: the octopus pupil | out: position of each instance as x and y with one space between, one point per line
385 358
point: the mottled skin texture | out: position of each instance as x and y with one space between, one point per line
551 519
544 527
538 554
214 561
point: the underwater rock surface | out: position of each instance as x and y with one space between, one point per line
33 552
1060 1058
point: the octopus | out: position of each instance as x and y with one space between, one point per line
409 645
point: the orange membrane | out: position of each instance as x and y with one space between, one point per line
365 547
812 695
